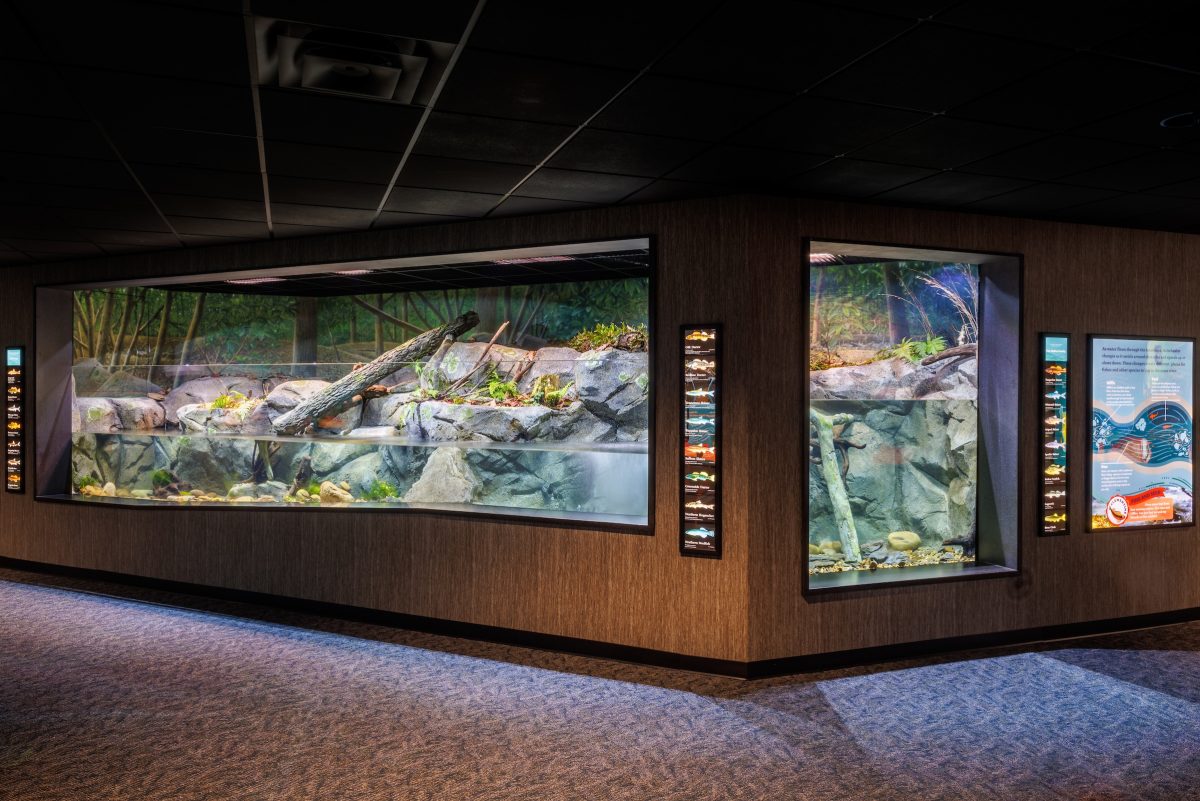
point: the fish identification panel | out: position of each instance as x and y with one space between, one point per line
701 463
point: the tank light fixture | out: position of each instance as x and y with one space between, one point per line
262 280
534 260
354 272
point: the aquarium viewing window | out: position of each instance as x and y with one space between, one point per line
913 359
513 383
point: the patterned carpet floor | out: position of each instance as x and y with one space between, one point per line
110 692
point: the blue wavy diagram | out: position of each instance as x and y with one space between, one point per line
1161 433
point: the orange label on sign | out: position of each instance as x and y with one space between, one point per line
1150 510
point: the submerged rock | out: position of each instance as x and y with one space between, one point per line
447 478
213 463
332 493
275 490
904 540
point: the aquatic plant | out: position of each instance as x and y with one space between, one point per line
380 491
161 478
85 481
621 336
914 350
547 392
500 390
314 489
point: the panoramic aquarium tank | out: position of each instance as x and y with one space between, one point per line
894 358
513 383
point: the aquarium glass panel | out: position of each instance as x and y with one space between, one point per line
342 388
893 416
1141 468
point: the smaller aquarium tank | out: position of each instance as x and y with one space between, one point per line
516 383
893 414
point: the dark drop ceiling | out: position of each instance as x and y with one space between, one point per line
139 126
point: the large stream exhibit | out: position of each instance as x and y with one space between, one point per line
509 385
893 414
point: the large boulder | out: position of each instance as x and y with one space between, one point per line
89 376
386 411
290 394
208 389
447 478
213 463
139 414
897 379
126 462
462 356
97 416
442 421
614 385
200 418
559 362
125 385
362 473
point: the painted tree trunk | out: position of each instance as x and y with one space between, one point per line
838 499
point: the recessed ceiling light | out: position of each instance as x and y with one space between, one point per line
534 259
821 258
263 280
1188 119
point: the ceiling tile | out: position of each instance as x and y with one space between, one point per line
854 178
296 214
317 192
666 106
1078 91
331 163
1141 172
935 68
65 171
624 153
1058 24
818 125
773 45
326 119
535 205
159 178
1156 34
746 165
211 207
149 239
15 38
945 142
143 38
586 187
1142 124
152 145
147 101
114 219
514 87
443 21
437 201
200 226
459 174
672 190
1055 157
79 138
951 189
55 246
618 33
1040 199
1128 209
483 139
33 88
80 197
390 219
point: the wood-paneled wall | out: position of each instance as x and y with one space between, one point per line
736 261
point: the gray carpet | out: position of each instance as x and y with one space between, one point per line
105 697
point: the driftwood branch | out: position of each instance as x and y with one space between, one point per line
957 352
337 394
834 484
479 361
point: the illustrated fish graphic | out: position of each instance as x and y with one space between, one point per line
1056 369
14 426
703 533
14 371
701 336
700 421
1056 446
700 505
1055 470
700 393
700 365
1057 395
14 462
1058 517
14 390
706 452
1055 421
701 476
1056 494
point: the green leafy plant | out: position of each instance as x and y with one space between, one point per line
85 481
161 478
314 488
613 335
547 391
914 350
230 400
380 491
500 390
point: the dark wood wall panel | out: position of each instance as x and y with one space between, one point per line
736 261
1078 279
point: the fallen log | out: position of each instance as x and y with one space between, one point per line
843 515
956 352
341 393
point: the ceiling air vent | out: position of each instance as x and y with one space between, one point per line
391 68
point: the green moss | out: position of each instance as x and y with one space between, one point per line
314 488
380 491
613 335
94 414
85 481
230 400
161 478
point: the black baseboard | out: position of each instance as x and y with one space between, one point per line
624 653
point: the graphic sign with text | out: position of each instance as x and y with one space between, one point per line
14 419
701 512
1141 471
1054 479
